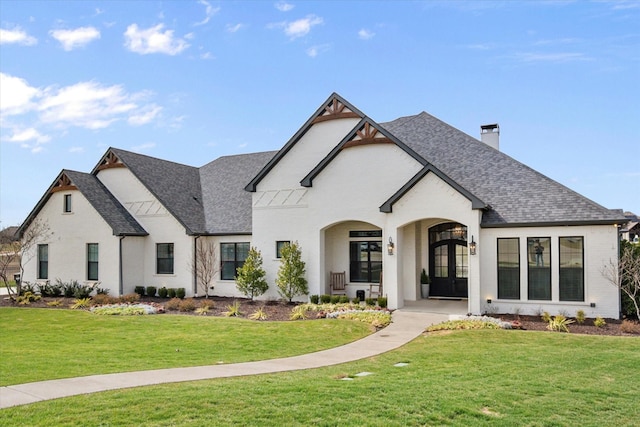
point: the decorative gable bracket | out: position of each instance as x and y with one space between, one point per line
63 183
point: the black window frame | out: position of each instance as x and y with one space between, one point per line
539 271
165 264
43 261
279 245
226 265
571 279
508 276
66 204
93 264
367 271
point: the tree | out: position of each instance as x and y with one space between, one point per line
250 278
291 281
14 250
625 275
205 265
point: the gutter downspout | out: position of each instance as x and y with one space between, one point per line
120 274
195 266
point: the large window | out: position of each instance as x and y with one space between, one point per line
539 267
164 258
233 257
571 269
92 261
43 261
509 268
365 261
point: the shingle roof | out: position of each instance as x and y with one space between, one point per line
176 186
227 204
517 194
119 219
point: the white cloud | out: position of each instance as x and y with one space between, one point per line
26 135
298 28
18 36
314 51
144 115
234 28
153 40
551 57
143 147
71 39
365 34
209 12
76 150
283 6
16 96
206 55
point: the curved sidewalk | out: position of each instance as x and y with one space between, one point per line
405 327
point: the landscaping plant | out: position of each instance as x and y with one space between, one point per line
250 278
290 280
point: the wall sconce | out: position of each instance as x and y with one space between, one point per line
488 300
390 246
592 305
472 246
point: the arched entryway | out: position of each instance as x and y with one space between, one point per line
448 261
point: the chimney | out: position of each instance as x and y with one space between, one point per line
490 135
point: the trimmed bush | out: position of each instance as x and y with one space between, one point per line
187 305
171 293
139 290
382 302
335 299
163 292
370 301
580 317
181 293
151 291
356 300
599 322
173 304
314 299
325 299
343 299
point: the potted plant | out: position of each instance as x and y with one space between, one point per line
424 284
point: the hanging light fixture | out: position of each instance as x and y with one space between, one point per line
472 246
390 246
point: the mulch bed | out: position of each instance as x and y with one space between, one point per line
281 311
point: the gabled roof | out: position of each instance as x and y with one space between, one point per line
227 205
334 108
175 185
517 194
110 209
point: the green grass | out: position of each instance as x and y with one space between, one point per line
462 378
42 344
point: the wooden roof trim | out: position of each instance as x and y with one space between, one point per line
109 161
63 183
335 110
367 134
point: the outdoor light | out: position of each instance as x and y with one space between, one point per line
390 246
472 246
488 300
593 304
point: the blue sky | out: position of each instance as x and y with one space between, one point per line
190 81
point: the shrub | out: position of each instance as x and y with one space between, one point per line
382 302
187 305
299 312
370 301
202 310
163 292
27 298
151 291
48 290
233 310
559 324
173 304
54 303
599 322
314 299
250 278
207 303
290 279
171 293
580 317
102 299
343 299
355 300
546 317
259 314
130 298
325 299
180 293
139 290
80 303
335 299
473 322
102 291
629 327
73 289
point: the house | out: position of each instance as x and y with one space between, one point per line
375 200
630 230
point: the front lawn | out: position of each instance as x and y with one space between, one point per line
42 344
462 378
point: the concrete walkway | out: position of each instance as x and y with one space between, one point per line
405 327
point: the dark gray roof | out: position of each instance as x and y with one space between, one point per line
516 194
227 204
119 219
176 186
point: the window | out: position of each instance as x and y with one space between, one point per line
164 258
92 261
571 269
509 268
279 245
365 261
539 267
67 203
233 257
43 261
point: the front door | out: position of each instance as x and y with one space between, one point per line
448 261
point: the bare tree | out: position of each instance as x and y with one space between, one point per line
13 250
625 275
205 264
9 257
